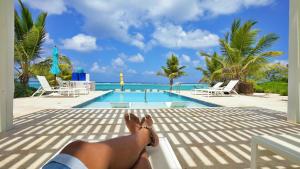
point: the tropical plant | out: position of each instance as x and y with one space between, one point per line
29 37
276 72
242 53
43 68
173 70
212 65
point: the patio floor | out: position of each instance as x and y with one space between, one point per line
201 138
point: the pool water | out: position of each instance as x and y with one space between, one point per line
142 100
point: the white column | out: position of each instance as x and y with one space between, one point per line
294 62
6 63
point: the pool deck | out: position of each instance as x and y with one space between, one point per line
210 138
268 101
27 105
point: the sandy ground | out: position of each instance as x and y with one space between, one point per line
268 101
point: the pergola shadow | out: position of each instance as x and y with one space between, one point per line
201 138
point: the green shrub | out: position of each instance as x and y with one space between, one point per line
283 93
273 87
23 91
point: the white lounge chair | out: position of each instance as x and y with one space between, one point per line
216 86
176 104
286 145
120 104
160 157
82 86
229 88
45 87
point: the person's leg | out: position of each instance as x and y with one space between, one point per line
120 152
143 162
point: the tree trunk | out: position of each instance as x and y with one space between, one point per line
24 79
171 84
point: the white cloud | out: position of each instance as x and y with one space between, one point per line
195 63
49 6
131 71
81 43
48 39
172 36
115 18
186 58
282 62
149 72
225 7
136 58
118 62
96 68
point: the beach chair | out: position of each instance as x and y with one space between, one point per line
160 157
229 88
216 86
62 83
120 104
154 90
78 85
286 145
176 104
45 87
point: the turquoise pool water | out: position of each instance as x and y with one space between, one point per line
138 86
140 100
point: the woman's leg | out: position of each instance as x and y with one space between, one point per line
143 162
122 152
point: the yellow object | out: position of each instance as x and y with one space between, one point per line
121 79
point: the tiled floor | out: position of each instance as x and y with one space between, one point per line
216 138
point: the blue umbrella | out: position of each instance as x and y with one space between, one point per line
55 65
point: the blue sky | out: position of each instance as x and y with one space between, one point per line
105 37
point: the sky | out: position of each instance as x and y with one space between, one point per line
137 36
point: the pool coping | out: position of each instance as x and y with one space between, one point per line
208 104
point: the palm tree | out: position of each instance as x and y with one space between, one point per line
29 37
242 55
212 64
43 68
172 70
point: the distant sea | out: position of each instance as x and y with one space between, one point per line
139 86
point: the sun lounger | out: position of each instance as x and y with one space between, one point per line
120 104
176 104
286 145
161 157
127 90
216 86
229 88
154 90
45 87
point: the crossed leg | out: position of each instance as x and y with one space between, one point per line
118 153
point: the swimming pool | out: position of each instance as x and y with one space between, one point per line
136 100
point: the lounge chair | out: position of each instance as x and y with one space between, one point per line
160 157
45 87
120 104
286 145
229 88
176 104
78 85
216 86
62 83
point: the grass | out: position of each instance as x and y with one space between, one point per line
272 87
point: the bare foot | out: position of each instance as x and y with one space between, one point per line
147 122
132 122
